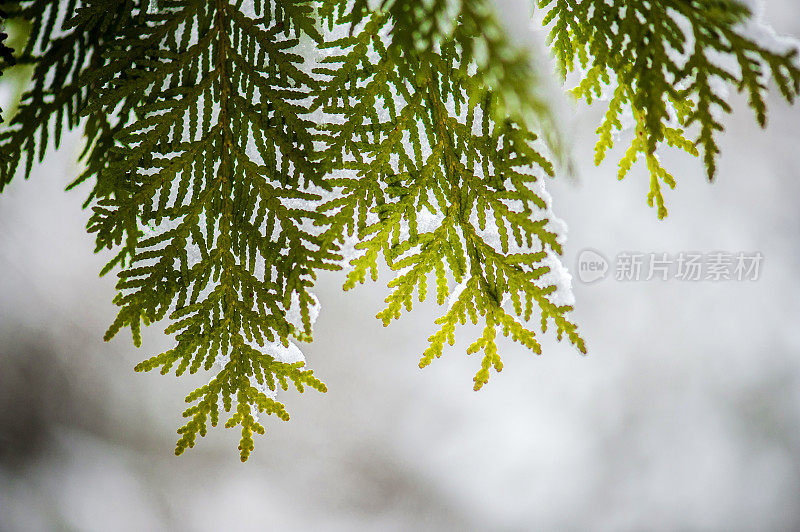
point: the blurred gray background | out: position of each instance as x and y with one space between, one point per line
685 416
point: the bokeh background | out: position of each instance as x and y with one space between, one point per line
685 416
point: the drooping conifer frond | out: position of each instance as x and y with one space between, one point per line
211 177
432 183
668 63
65 42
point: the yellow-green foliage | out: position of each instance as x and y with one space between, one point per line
184 160
658 55
463 166
225 172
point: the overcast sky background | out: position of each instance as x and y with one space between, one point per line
686 414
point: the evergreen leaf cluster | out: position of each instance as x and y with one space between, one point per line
204 180
234 149
669 63
63 44
430 182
